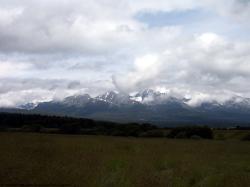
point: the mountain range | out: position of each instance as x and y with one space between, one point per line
147 106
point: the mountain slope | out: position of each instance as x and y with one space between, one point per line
148 106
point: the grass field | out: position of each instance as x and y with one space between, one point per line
28 159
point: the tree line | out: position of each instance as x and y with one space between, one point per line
68 125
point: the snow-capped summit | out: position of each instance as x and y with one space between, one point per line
77 100
149 96
28 106
149 105
238 102
115 98
108 96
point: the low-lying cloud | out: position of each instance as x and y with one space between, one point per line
207 63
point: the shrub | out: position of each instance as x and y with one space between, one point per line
153 133
195 137
70 129
31 128
3 128
181 135
246 138
188 132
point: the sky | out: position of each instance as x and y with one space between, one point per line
50 49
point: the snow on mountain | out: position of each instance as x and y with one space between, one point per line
28 106
110 97
146 97
115 98
238 102
152 97
149 105
77 100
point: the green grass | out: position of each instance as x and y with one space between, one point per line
85 161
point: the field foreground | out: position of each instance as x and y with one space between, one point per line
28 159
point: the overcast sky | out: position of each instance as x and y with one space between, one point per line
50 49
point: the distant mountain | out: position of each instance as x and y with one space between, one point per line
148 106
115 98
77 100
28 106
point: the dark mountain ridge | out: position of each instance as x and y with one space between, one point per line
147 106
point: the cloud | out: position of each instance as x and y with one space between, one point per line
208 63
49 49
8 16
239 10
94 27
21 91
64 26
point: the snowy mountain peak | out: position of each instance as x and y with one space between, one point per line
108 96
28 106
149 96
238 102
77 100
150 105
115 98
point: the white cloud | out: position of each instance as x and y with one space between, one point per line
8 16
206 64
9 69
92 41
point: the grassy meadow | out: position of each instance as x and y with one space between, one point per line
29 159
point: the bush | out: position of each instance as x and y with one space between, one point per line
181 135
31 128
153 133
49 130
195 137
188 132
3 129
70 129
246 138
